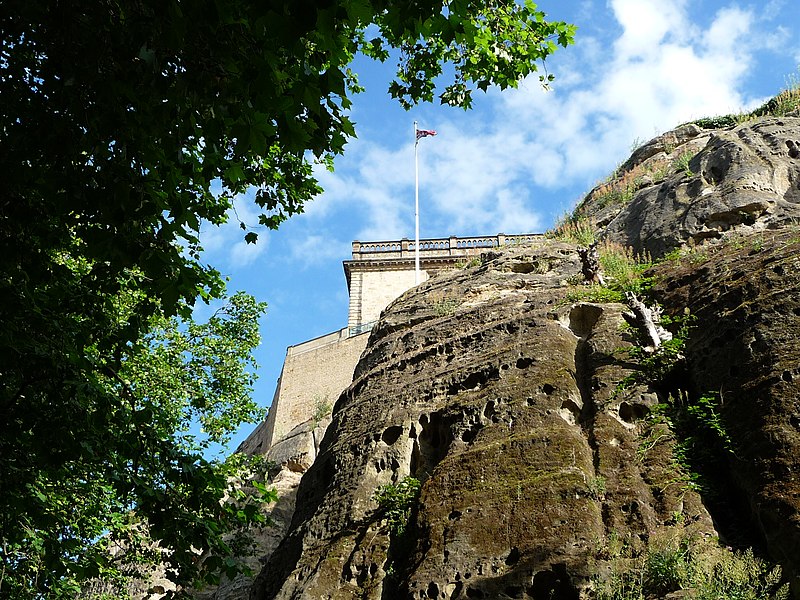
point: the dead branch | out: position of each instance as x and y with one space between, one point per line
646 319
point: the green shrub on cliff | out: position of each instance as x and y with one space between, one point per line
395 503
707 572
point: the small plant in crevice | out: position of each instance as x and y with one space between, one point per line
653 433
598 294
656 366
443 304
659 173
703 445
695 255
597 487
623 270
396 503
475 261
322 409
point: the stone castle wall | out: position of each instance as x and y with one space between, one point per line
314 374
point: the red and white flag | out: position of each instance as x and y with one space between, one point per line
421 133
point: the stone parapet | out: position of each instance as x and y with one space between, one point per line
435 247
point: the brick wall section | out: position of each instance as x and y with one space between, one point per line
314 373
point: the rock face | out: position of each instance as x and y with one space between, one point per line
500 392
746 296
747 178
505 409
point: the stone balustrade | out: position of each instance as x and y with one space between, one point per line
437 247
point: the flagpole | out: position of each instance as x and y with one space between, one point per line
416 208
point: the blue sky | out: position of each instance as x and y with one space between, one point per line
518 160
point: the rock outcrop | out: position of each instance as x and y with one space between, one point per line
290 459
500 390
745 178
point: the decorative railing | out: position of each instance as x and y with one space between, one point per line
381 247
437 247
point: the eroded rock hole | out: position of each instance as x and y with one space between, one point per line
548 389
632 411
433 590
524 362
571 410
630 508
513 557
474 381
470 434
583 318
717 174
391 434
787 377
554 584
454 515
431 446
523 267
489 410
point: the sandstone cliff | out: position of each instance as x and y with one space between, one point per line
545 452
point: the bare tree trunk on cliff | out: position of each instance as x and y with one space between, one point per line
646 320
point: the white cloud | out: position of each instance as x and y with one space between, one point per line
314 249
646 24
370 193
662 70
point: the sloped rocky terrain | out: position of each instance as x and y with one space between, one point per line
498 387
